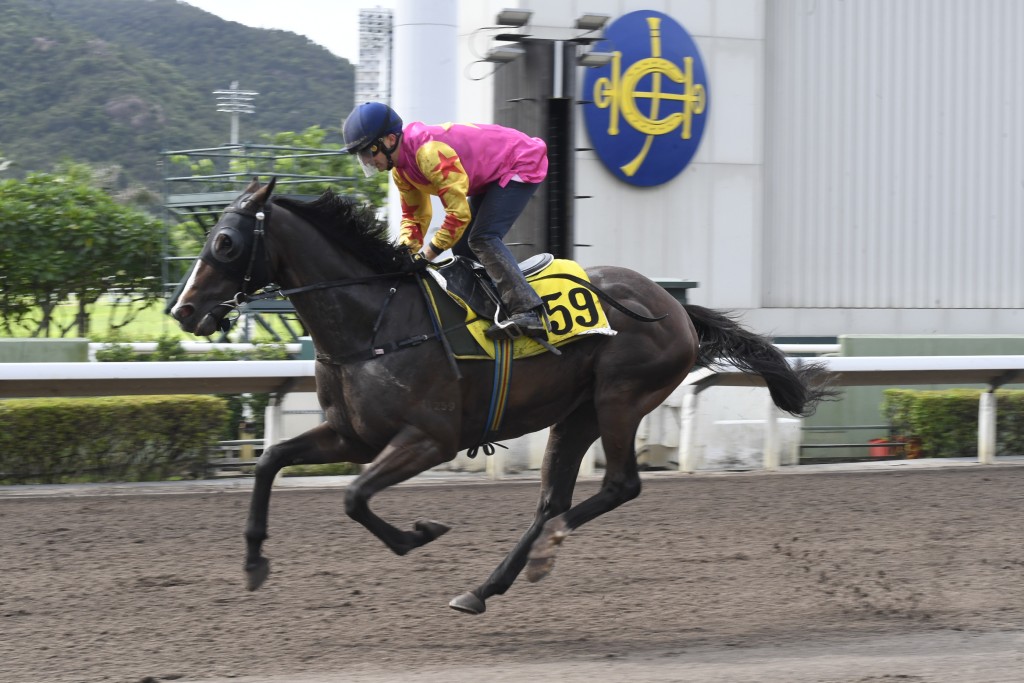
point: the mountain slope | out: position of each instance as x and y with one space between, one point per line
119 81
300 83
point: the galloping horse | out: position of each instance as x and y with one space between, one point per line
394 398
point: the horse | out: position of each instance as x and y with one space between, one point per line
395 400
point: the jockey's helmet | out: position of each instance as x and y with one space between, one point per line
368 123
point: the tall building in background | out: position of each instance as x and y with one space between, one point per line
373 73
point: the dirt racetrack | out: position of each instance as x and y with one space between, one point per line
850 577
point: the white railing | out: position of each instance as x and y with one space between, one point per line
993 371
26 380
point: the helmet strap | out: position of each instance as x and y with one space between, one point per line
388 151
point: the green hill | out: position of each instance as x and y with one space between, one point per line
119 81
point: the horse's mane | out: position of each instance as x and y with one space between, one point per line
352 226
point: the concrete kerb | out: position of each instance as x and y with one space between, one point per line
430 478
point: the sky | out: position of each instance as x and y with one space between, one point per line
333 24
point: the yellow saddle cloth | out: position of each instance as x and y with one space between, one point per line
573 311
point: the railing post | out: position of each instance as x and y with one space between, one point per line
272 422
588 466
771 438
688 432
495 464
987 428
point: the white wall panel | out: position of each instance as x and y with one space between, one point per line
893 171
736 125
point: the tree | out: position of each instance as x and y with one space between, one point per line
64 241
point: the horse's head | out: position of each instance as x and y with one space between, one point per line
233 263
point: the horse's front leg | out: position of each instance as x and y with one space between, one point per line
567 444
319 445
411 452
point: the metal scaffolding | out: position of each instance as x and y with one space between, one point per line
195 200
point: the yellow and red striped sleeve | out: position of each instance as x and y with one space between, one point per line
416 211
440 164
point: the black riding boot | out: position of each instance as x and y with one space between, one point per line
518 297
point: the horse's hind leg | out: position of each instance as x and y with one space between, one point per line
317 446
618 425
567 444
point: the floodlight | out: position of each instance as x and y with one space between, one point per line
595 58
592 22
504 53
514 17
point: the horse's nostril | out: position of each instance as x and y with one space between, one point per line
183 311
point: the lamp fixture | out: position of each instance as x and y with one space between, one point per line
514 17
592 58
592 22
502 54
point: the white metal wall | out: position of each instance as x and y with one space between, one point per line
894 155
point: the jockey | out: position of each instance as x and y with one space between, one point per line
484 175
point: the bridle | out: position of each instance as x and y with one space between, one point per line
255 266
258 264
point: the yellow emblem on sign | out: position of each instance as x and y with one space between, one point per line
620 94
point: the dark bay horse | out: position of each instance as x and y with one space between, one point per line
403 409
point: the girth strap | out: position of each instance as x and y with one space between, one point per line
499 395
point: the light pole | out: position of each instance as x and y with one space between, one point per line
234 101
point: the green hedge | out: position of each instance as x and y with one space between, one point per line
123 438
944 423
169 349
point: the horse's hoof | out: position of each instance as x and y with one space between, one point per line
430 530
468 603
256 573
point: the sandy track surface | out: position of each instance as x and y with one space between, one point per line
876 577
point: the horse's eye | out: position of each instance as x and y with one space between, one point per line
227 245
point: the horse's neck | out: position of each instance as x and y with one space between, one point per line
347 322
340 318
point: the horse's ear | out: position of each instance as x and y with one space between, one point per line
262 195
254 185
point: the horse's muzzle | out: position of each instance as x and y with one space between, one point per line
193 322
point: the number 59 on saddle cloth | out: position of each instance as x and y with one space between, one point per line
573 310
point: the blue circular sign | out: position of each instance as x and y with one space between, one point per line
646 110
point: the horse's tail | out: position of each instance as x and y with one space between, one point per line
796 390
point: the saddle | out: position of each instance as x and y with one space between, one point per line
469 282
466 302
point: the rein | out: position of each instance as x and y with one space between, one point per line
285 293
375 350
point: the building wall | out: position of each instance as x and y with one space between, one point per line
894 166
862 168
705 224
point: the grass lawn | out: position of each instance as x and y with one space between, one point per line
151 324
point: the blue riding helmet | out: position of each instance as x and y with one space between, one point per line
368 123
364 132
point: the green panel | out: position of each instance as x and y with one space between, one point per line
677 288
931 345
44 350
